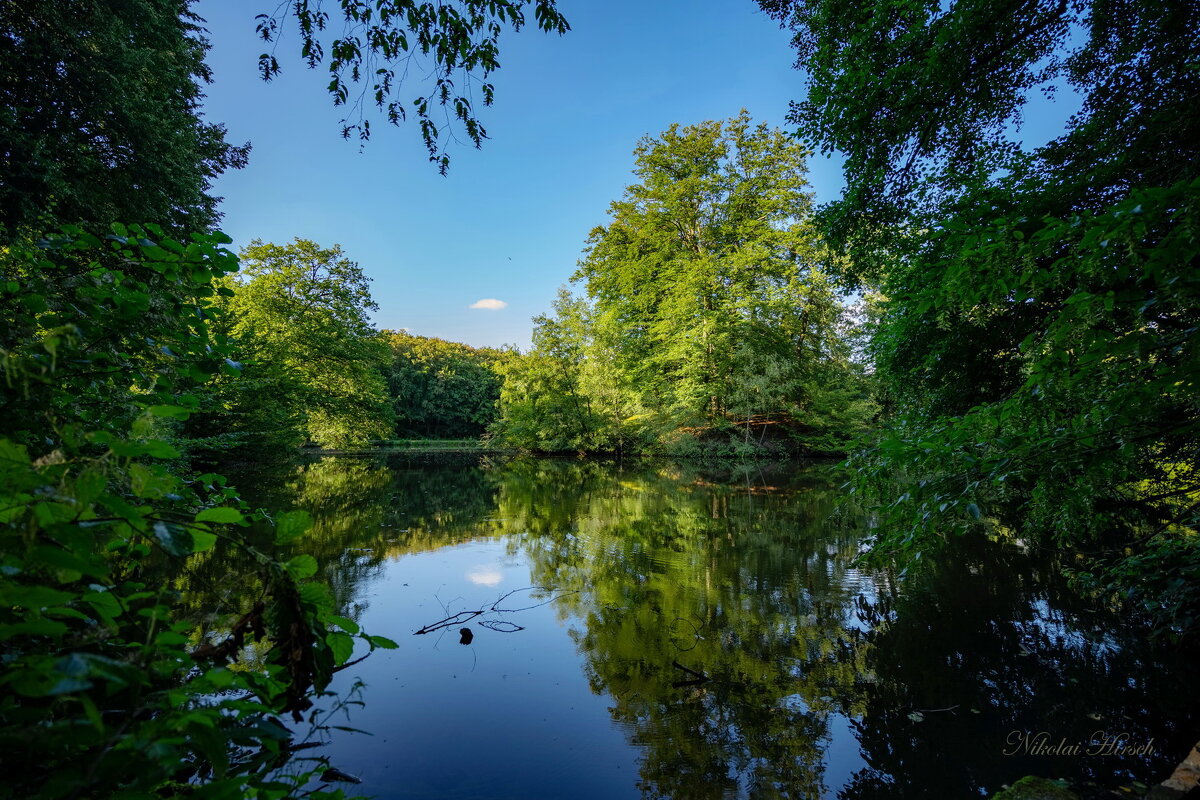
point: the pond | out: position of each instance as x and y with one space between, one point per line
654 629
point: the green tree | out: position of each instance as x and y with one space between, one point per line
544 404
1038 335
109 688
441 389
300 313
99 116
709 284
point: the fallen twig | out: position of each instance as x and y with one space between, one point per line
499 626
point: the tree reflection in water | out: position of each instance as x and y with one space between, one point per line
666 572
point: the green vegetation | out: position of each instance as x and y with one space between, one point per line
441 389
99 120
298 317
121 347
710 312
108 687
1040 308
1027 333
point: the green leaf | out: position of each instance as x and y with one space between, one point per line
160 449
104 603
220 677
175 539
202 541
151 482
342 646
382 642
317 595
171 412
41 627
301 567
223 515
290 525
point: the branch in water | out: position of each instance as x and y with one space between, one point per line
500 626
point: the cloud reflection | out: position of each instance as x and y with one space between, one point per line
485 575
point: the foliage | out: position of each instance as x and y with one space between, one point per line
99 116
543 403
710 308
106 690
98 330
111 344
299 316
1039 328
747 574
441 389
454 45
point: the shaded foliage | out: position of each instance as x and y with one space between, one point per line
106 689
99 116
441 389
1040 314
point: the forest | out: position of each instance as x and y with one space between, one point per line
988 337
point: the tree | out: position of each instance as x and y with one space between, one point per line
1038 335
543 402
441 389
711 277
302 310
110 688
99 116
106 692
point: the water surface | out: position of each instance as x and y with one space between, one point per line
675 631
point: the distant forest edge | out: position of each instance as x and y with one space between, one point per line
710 322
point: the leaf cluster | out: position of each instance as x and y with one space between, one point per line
453 47
99 117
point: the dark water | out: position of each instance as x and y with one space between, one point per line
700 634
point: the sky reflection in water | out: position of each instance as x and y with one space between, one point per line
821 679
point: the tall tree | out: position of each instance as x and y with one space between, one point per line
302 310
99 116
710 274
1039 333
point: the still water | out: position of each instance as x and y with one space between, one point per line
653 630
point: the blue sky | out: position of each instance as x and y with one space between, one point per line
509 221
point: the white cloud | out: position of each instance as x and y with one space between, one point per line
490 303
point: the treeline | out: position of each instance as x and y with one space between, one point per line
711 320
1039 304
312 369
